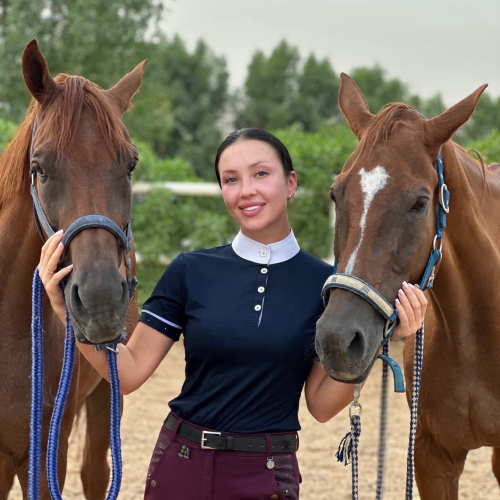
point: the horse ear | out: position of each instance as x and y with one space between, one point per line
440 129
36 73
125 89
353 105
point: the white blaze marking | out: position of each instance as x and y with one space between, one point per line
371 183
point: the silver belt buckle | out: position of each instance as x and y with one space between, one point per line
204 438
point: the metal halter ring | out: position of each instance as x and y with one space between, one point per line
446 207
389 327
354 409
440 249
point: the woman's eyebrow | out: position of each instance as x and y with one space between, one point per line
232 171
258 163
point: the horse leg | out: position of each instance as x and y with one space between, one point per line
7 475
495 461
437 470
95 468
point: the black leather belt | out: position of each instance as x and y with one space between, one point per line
210 440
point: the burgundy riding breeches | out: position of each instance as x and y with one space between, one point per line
181 470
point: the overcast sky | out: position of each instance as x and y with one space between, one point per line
445 46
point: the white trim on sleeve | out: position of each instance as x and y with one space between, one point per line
161 319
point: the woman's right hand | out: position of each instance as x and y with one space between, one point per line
51 254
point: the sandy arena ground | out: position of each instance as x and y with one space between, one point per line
323 477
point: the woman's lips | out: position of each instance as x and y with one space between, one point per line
252 210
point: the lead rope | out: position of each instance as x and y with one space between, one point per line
60 403
382 443
348 448
418 357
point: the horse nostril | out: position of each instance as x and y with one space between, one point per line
77 304
356 348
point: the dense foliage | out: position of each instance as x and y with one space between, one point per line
178 114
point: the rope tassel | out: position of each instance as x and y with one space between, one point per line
347 451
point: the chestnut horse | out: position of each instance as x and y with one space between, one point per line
386 202
84 158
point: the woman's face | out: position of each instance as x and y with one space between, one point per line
256 189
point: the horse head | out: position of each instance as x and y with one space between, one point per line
386 200
83 160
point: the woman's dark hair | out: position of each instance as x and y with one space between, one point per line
258 135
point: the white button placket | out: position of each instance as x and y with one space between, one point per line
260 287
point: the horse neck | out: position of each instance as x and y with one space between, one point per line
465 290
20 247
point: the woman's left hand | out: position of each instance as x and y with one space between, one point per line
411 305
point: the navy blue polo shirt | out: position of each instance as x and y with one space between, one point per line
248 313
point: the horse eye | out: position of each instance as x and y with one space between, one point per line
330 192
132 166
419 205
39 170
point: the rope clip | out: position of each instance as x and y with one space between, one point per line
354 409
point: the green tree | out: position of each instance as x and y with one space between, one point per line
484 121
377 89
270 87
100 40
183 97
279 92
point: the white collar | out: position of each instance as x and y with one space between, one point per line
274 253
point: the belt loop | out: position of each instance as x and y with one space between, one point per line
229 442
177 424
269 443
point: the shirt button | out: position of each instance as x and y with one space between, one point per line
261 289
263 253
264 270
258 307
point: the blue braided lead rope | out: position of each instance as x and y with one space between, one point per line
415 393
36 389
382 444
58 412
356 432
60 403
116 455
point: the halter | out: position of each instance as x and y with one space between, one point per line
348 449
84 222
124 238
373 296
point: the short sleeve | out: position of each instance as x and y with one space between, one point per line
165 309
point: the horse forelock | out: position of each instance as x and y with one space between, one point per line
386 122
60 116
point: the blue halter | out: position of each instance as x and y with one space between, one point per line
376 299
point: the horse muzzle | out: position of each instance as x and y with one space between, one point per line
97 304
348 337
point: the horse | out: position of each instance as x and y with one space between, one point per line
387 199
83 157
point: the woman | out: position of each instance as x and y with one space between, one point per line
248 312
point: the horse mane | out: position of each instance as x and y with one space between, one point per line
386 122
60 114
